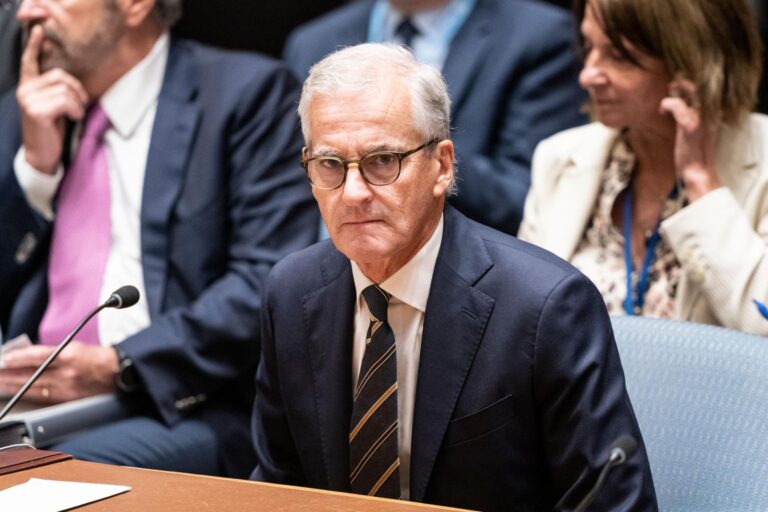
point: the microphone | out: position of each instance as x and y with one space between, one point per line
621 449
123 297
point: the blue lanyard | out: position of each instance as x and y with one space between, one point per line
634 305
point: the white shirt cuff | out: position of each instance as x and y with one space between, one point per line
38 187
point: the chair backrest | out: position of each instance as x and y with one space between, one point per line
700 394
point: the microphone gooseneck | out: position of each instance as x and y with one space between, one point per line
621 449
124 297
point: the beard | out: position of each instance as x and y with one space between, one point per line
81 57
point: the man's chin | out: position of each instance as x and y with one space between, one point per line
54 59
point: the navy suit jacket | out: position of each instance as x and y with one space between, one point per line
520 390
224 198
512 78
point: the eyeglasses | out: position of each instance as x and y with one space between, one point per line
379 168
8 5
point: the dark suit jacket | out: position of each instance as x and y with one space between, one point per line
512 77
224 199
10 50
520 390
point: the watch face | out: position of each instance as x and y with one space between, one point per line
127 378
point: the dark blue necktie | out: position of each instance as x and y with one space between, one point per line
406 31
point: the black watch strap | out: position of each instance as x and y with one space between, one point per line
127 378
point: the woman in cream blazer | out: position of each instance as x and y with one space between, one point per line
720 239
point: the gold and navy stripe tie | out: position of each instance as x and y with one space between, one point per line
374 463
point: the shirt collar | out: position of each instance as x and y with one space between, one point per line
410 284
130 98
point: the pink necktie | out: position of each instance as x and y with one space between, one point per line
81 237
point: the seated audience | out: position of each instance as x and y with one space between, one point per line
511 68
663 202
418 354
181 180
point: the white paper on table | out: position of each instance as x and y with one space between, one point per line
37 495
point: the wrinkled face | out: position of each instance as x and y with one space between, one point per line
622 94
79 34
379 227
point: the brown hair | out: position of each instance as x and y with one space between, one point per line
713 43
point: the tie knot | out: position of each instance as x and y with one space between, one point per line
378 301
406 31
96 123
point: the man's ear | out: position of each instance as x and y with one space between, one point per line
136 12
444 154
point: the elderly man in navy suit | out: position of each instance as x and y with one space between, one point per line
418 354
511 68
131 157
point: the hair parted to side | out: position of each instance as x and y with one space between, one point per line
713 43
360 67
168 11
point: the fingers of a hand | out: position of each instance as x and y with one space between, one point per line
686 117
58 76
12 380
29 357
52 103
30 59
35 96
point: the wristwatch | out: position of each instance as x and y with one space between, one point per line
127 378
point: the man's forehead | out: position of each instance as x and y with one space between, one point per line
362 122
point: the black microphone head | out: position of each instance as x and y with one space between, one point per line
123 297
623 448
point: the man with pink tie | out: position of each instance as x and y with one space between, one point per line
129 156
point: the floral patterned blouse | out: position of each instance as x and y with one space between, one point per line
600 254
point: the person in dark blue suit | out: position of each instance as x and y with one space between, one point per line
418 354
511 68
10 46
205 195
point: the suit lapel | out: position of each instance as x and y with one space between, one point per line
457 314
328 322
574 197
173 133
467 52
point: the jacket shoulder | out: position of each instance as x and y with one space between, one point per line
306 270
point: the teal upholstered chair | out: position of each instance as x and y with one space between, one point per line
700 394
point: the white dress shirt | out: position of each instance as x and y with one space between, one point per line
409 287
130 104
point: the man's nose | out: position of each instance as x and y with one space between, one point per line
31 10
356 189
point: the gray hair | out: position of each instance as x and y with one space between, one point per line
168 11
358 68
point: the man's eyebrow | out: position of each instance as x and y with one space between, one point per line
321 151
379 148
375 148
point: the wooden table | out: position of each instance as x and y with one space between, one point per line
167 492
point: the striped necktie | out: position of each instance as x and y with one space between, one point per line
373 438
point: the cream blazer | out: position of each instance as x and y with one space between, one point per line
720 240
